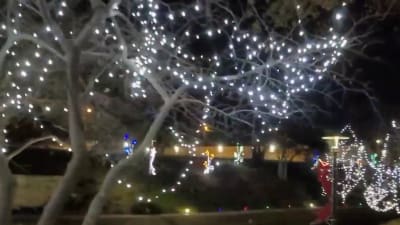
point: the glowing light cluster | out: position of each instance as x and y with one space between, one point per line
238 155
152 157
350 158
152 170
378 173
382 191
267 70
208 163
153 51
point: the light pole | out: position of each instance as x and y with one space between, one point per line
333 142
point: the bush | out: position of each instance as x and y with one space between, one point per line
393 222
145 208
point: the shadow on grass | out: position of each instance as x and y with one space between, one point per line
260 217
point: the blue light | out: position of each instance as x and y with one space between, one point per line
128 150
315 157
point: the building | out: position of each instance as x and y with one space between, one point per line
298 153
219 151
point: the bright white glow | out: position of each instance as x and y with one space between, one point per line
272 148
338 16
152 156
187 211
176 149
220 148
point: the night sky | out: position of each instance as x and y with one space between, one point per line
379 68
383 73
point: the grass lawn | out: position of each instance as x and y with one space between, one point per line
260 217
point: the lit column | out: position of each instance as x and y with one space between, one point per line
333 143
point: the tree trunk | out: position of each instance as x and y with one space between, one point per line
76 135
6 191
279 172
99 200
285 168
282 169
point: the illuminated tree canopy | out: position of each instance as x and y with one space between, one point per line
86 65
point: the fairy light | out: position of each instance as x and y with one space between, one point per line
338 16
296 65
254 48
152 150
238 155
350 159
381 195
381 188
208 163
152 156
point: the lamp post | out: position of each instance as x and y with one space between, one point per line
333 143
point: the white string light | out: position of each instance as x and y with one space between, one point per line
238 155
271 85
208 163
381 188
297 61
152 156
184 173
350 160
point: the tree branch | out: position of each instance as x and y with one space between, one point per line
45 12
100 13
21 37
28 144
216 110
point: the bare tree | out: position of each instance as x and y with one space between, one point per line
261 76
7 182
287 155
177 64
